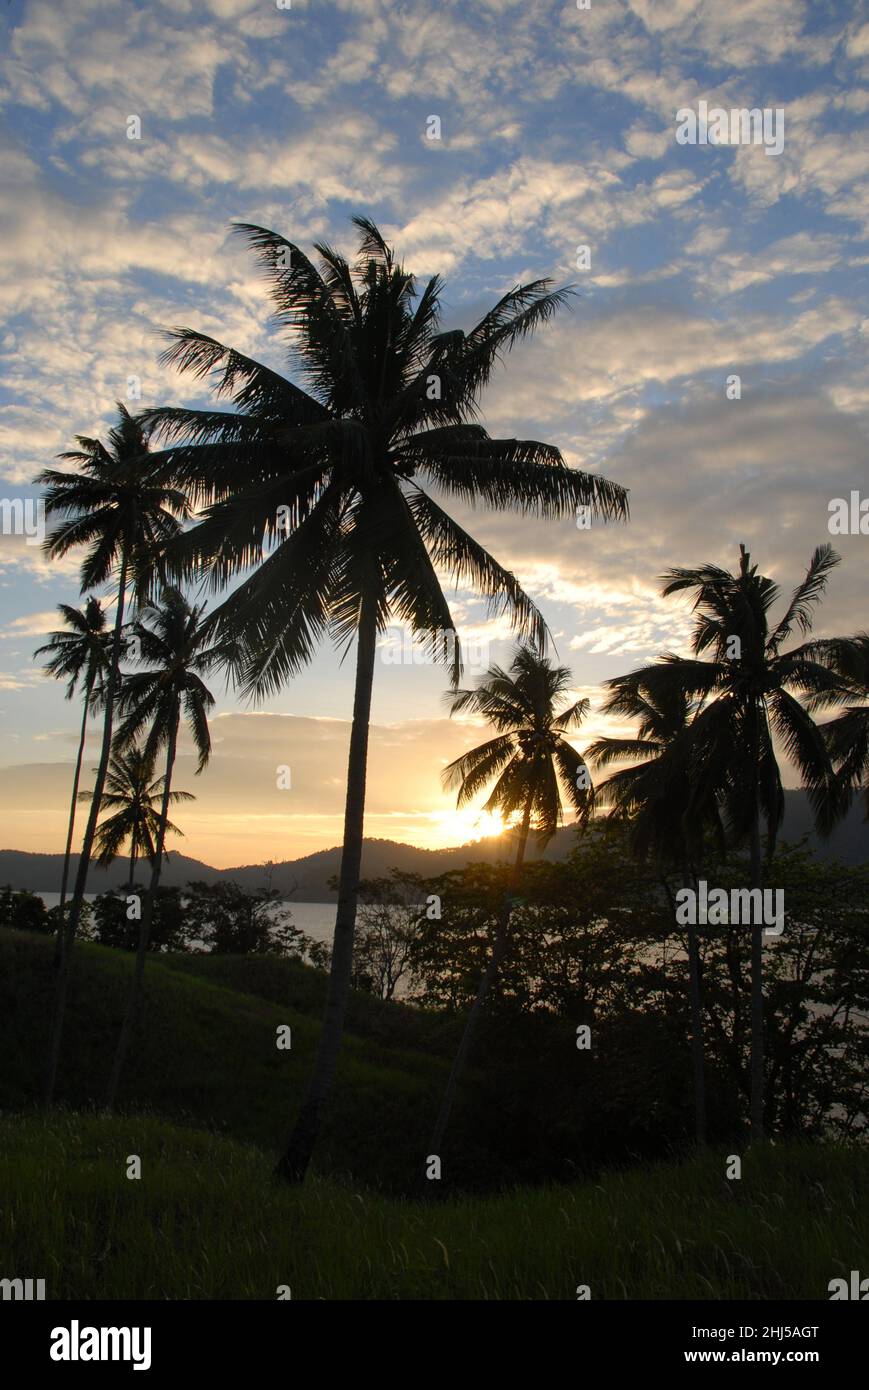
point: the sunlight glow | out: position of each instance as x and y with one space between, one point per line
460 827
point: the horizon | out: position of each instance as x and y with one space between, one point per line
695 265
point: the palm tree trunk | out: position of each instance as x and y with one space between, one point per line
695 992
73 803
296 1158
71 926
132 863
757 1050
697 1060
145 925
498 949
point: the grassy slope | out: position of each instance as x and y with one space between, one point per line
206 1221
207 1053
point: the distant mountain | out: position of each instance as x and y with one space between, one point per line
307 879
42 872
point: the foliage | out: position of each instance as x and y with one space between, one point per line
387 930
22 910
595 942
225 918
113 926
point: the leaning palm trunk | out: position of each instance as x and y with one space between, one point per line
294 1162
144 928
73 802
697 1059
757 1040
70 927
498 949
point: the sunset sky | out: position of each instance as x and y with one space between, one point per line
558 131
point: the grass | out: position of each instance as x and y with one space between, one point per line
206 1221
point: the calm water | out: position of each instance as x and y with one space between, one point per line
314 919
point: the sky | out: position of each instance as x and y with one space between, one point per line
557 132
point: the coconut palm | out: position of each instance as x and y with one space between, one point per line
173 644
131 794
653 794
531 762
125 523
318 489
79 656
847 736
745 689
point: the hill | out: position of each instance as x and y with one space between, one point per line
42 873
207 1052
307 878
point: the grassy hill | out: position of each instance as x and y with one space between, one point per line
207 1053
206 1221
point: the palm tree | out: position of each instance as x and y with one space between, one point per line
125 522
531 759
847 737
329 479
131 792
745 691
173 641
79 656
653 794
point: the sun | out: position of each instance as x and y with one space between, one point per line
461 827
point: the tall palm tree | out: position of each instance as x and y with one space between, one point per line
654 795
745 688
125 523
80 656
131 794
173 643
327 477
532 761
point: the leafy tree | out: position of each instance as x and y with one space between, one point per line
320 490
390 910
22 910
816 997
227 919
114 927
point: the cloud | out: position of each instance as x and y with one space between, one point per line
32 624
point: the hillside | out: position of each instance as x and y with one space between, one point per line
207 1053
307 878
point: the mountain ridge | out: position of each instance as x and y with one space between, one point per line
307 877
